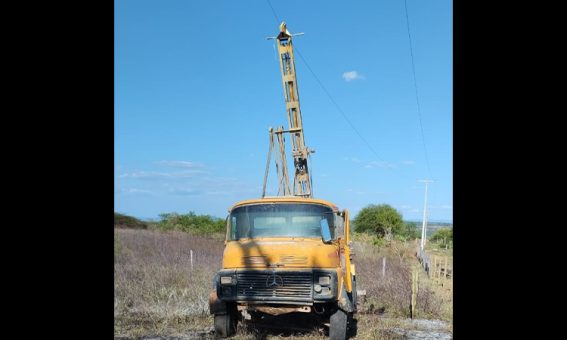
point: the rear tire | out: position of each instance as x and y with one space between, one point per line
338 328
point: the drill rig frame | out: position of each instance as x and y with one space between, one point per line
302 180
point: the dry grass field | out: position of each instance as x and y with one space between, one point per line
157 293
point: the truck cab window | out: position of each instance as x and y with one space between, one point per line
281 220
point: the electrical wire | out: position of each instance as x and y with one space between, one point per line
273 12
333 100
416 93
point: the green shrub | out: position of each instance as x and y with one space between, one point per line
443 236
190 222
379 242
410 231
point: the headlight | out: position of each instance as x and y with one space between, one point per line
324 280
317 288
226 280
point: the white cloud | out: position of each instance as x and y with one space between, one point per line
181 164
134 191
381 165
384 164
189 179
162 175
184 191
146 175
352 75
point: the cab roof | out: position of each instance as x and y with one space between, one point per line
285 199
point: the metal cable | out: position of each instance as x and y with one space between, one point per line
416 93
333 100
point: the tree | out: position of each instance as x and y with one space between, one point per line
411 231
382 220
443 236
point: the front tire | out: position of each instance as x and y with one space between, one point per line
225 325
338 328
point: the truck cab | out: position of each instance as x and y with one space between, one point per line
286 255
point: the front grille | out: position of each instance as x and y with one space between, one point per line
293 285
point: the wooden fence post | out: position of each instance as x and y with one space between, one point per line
438 269
445 271
414 279
434 268
383 266
191 252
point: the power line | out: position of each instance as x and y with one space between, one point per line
416 95
273 12
339 108
333 100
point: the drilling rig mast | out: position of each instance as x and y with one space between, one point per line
302 183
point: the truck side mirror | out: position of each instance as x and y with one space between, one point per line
325 231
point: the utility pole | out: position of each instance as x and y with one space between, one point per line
424 224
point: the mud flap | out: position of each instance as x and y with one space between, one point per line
345 302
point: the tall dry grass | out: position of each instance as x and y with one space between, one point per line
155 290
391 293
157 293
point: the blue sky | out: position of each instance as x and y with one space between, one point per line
197 85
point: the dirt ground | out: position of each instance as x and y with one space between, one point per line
369 327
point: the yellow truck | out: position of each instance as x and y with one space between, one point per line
286 255
289 253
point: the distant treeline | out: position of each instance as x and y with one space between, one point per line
203 224
207 224
190 222
125 221
432 224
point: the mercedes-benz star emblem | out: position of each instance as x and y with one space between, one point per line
274 281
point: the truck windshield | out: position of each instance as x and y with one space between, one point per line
280 220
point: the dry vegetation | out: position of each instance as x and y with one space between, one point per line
442 290
157 293
391 294
155 290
